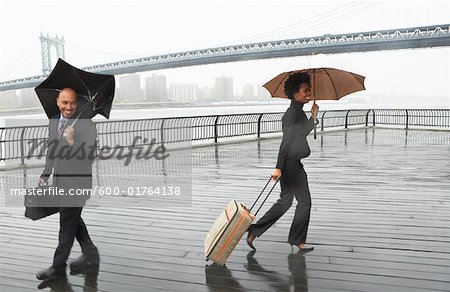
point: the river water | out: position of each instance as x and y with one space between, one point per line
12 119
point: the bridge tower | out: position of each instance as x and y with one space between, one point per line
46 44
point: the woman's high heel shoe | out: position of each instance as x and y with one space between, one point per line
305 247
250 238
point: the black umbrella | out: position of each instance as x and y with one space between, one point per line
95 91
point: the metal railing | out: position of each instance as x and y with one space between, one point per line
15 141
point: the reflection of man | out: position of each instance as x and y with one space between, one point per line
69 156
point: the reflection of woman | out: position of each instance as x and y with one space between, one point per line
296 265
274 279
289 169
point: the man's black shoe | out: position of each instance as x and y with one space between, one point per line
50 274
83 262
56 285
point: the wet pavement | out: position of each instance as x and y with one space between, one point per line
380 221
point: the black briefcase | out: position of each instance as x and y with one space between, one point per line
36 205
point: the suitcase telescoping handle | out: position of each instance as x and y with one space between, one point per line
265 199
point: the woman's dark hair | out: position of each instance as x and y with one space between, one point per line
293 82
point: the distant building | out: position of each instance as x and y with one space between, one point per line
9 100
29 98
130 88
183 92
117 94
156 88
205 94
223 88
262 93
248 92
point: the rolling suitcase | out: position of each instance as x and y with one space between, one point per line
229 228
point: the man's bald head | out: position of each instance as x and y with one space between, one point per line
67 91
67 102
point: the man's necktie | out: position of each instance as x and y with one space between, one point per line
62 127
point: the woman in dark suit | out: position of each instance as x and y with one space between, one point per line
289 169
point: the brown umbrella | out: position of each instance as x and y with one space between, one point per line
326 83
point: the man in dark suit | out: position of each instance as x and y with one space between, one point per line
70 154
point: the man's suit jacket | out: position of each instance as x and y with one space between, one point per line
71 165
296 128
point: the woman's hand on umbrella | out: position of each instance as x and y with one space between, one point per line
276 173
314 111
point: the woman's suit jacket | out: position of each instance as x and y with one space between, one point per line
296 127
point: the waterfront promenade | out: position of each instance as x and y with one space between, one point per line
380 221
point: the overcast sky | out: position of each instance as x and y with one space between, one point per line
105 31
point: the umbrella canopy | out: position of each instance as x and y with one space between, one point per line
326 83
95 91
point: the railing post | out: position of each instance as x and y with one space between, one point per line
407 119
22 147
367 118
216 134
373 118
259 125
346 119
162 131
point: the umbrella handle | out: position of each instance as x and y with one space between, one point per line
315 125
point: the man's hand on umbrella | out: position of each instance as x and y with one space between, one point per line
276 173
314 111
68 133
42 182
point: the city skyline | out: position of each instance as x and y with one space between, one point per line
135 88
